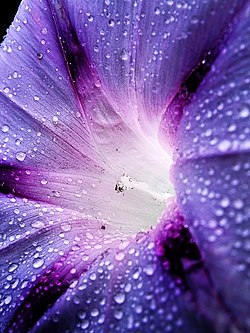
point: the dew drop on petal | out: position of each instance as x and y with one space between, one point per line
5 128
118 314
111 22
38 262
157 11
120 256
149 269
12 267
224 145
225 202
20 156
37 224
39 56
238 204
8 299
244 112
124 54
65 226
94 312
194 20
81 314
55 119
44 31
170 2
85 324
137 273
119 298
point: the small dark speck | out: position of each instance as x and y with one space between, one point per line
119 187
103 227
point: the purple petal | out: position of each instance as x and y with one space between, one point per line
143 51
73 134
127 291
43 250
38 103
59 130
216 122
212 171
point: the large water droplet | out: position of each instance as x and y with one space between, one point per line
38 262
124 54
5 128
119 298
12 267
20 156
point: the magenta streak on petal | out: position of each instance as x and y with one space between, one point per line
212 170
83 78
52 283
126 291
182 259
55 280
176 248
183 97
172 117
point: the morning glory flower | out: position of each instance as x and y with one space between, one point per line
124 173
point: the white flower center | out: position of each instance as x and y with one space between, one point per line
128 183
141 188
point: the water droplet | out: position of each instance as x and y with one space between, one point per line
111 22
124 54
8 299
119 298
101 319
118 314
37 224
38 262
224 202
194 20
92 276
238 204
157 11
12 267
5 128
55 119
149 269
224 145
90 18
39 56
244 112
119 256
81 314
44 31
85 324
20 156
136 273
65 226
94 312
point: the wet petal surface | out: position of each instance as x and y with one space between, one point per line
84 87
43 250
127 291
212 171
